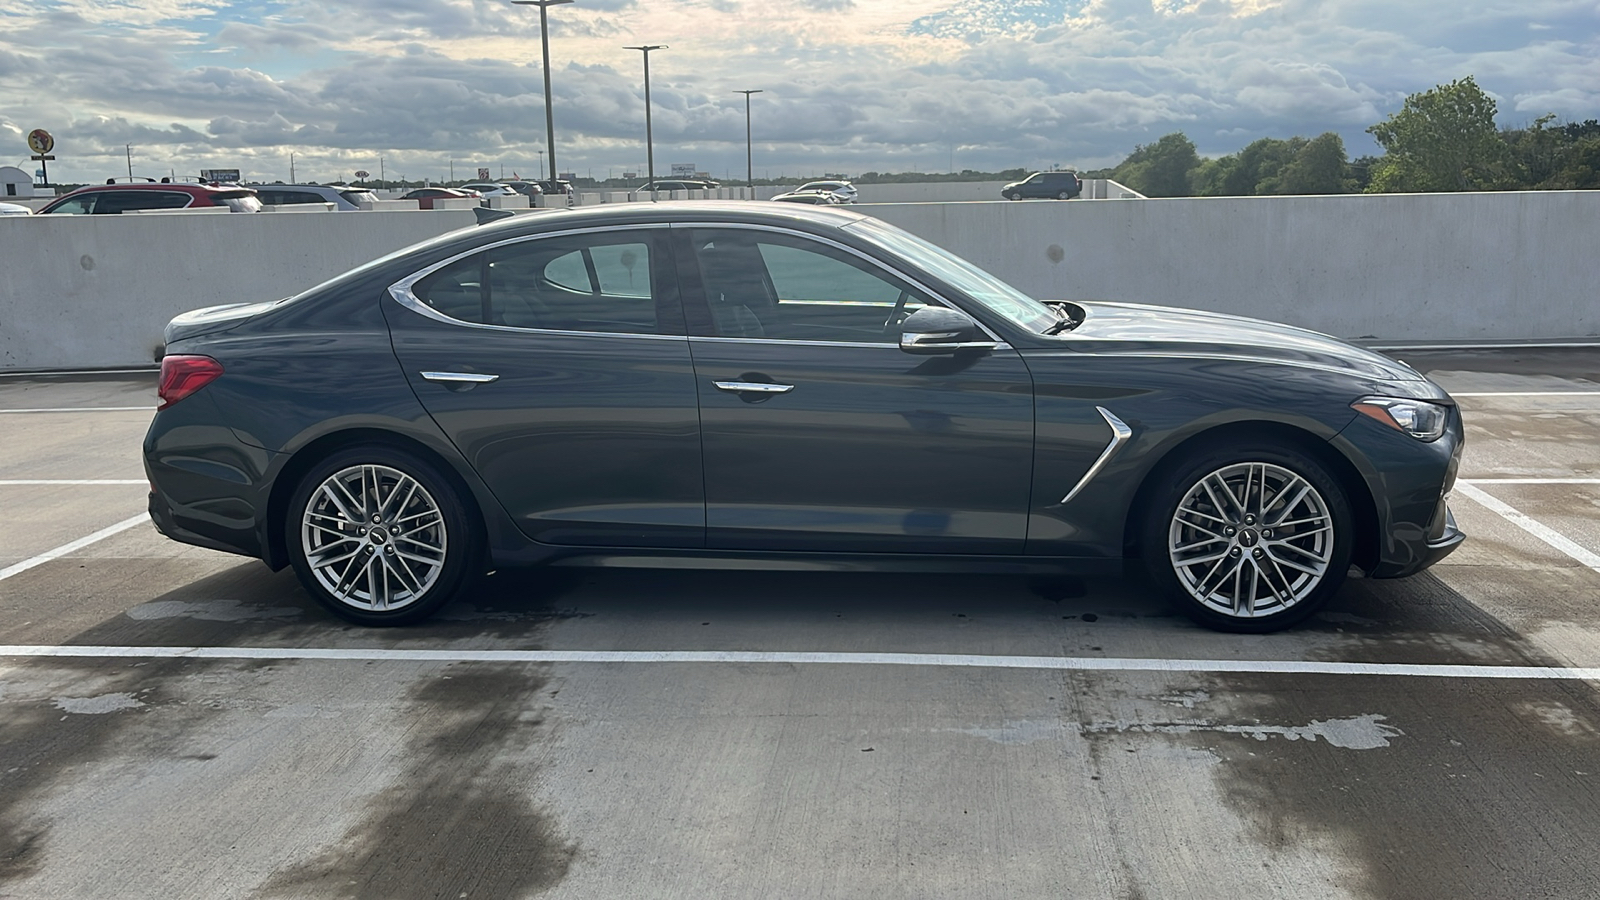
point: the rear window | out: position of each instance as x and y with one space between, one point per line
358 197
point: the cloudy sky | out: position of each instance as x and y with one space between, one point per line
850 85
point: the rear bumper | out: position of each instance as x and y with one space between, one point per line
167 523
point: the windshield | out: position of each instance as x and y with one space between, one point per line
984 289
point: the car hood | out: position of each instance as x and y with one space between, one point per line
1192 332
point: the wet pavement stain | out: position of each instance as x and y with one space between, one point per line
458 820
45 742
1490 791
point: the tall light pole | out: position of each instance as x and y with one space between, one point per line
649 141
749 166
544 38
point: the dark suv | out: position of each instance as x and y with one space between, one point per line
1059 185
112 199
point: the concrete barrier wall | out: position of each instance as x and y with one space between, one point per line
94 292
1396 268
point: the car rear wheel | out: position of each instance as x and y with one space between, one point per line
1064 195
379 537
1249 539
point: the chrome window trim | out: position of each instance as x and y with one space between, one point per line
1120 433
402 291
869 258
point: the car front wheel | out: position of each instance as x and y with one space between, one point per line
1249 539
379 537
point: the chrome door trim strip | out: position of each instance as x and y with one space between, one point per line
458 377
1120 433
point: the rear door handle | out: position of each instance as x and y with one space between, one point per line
459 378
753 387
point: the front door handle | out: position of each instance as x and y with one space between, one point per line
459 378
753 387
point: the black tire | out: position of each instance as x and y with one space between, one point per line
413 546
1064 195
1291 546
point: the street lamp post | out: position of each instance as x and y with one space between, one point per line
749 165
544 38
649 141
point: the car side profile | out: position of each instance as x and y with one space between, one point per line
342 198
1045 185
116 198
425 197
781 385
844 190
812 198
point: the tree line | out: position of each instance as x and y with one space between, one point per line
1442 139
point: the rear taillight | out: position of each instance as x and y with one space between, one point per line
183 375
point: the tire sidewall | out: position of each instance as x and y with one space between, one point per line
462 555
1174 482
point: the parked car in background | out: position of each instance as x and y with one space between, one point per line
820 389
12 209
555 186
677 184
845 191
530 188
426 196
492 189
814 198
1043 185
112 199
290 194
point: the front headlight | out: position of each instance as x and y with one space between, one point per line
1421 419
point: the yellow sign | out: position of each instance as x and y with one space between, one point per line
40 141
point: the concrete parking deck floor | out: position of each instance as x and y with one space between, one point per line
573 733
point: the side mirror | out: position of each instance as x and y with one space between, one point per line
934 329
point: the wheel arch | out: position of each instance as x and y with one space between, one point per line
276 552
1363 507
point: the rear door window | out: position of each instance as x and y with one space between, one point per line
600 283
116 202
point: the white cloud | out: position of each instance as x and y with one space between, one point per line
848 85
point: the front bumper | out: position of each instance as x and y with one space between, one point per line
1410 557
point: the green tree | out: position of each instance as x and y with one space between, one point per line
1160 169
1319 168
1443 139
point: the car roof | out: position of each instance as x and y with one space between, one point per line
710 212
185 186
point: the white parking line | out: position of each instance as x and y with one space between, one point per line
1543 532
17 481
1525 393
71 546
1528 481
744 657
73 409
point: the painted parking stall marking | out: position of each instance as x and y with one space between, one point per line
72 546
745 657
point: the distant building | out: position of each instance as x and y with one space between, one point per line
15 183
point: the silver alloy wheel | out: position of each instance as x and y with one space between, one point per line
374 538
1251 539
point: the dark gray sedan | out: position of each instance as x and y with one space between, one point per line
782 385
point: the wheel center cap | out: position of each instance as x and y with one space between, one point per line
1248 537
378 535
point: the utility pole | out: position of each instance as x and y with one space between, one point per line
291 169
649 140
130 162
544 39
380 170
749 165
